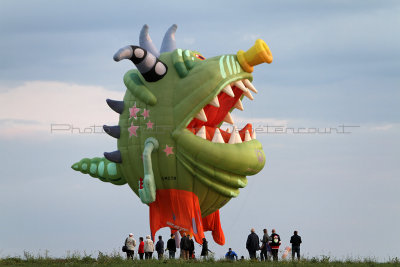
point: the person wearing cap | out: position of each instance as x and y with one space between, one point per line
130 244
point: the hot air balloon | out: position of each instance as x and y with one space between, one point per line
171 149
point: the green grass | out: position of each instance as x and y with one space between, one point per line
116 259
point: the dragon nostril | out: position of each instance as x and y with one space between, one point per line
257 54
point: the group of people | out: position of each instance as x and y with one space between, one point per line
270 245
147 248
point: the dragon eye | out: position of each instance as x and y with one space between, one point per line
200 56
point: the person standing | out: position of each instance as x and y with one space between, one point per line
171 246
148 248
191 247
274 243
204 249
265 248
141 248
295 240
130 244
252 244
160 247
185 245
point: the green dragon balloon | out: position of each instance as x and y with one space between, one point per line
171 151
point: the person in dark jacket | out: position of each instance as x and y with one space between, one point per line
253 244
171 247
265 249
274 243
160 248
191 247
185 246
204 249
295 240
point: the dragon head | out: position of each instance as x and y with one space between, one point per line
176 100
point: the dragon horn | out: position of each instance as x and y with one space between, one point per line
151 68
146 42
169 43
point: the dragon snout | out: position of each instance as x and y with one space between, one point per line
257 54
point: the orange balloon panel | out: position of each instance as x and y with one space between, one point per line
180 210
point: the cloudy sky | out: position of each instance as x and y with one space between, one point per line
336 66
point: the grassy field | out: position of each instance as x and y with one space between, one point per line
117 259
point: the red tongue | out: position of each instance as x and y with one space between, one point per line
216 115
242 132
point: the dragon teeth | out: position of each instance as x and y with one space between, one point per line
240 85
247 136
253 135
235 137
248 95
228 118
201 115
228 90
238 105
217 137
214 102
249 85
202 132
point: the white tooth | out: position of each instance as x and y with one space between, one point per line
249 85
202 132
248 95
240 85
235 137
214 102
228 91
238 105
228 118
254 135
201 116
217 137
247 136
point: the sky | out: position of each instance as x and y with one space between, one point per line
327 113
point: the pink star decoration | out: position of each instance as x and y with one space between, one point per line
133 111
149 125
132 130
168 150
146 113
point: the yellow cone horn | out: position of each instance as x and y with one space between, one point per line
257 54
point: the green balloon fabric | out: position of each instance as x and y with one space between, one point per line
169 135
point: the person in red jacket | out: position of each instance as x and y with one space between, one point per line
274 243
141 248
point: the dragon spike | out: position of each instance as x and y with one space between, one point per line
146 42
169 43
151 68
114 156
117 106
113 131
